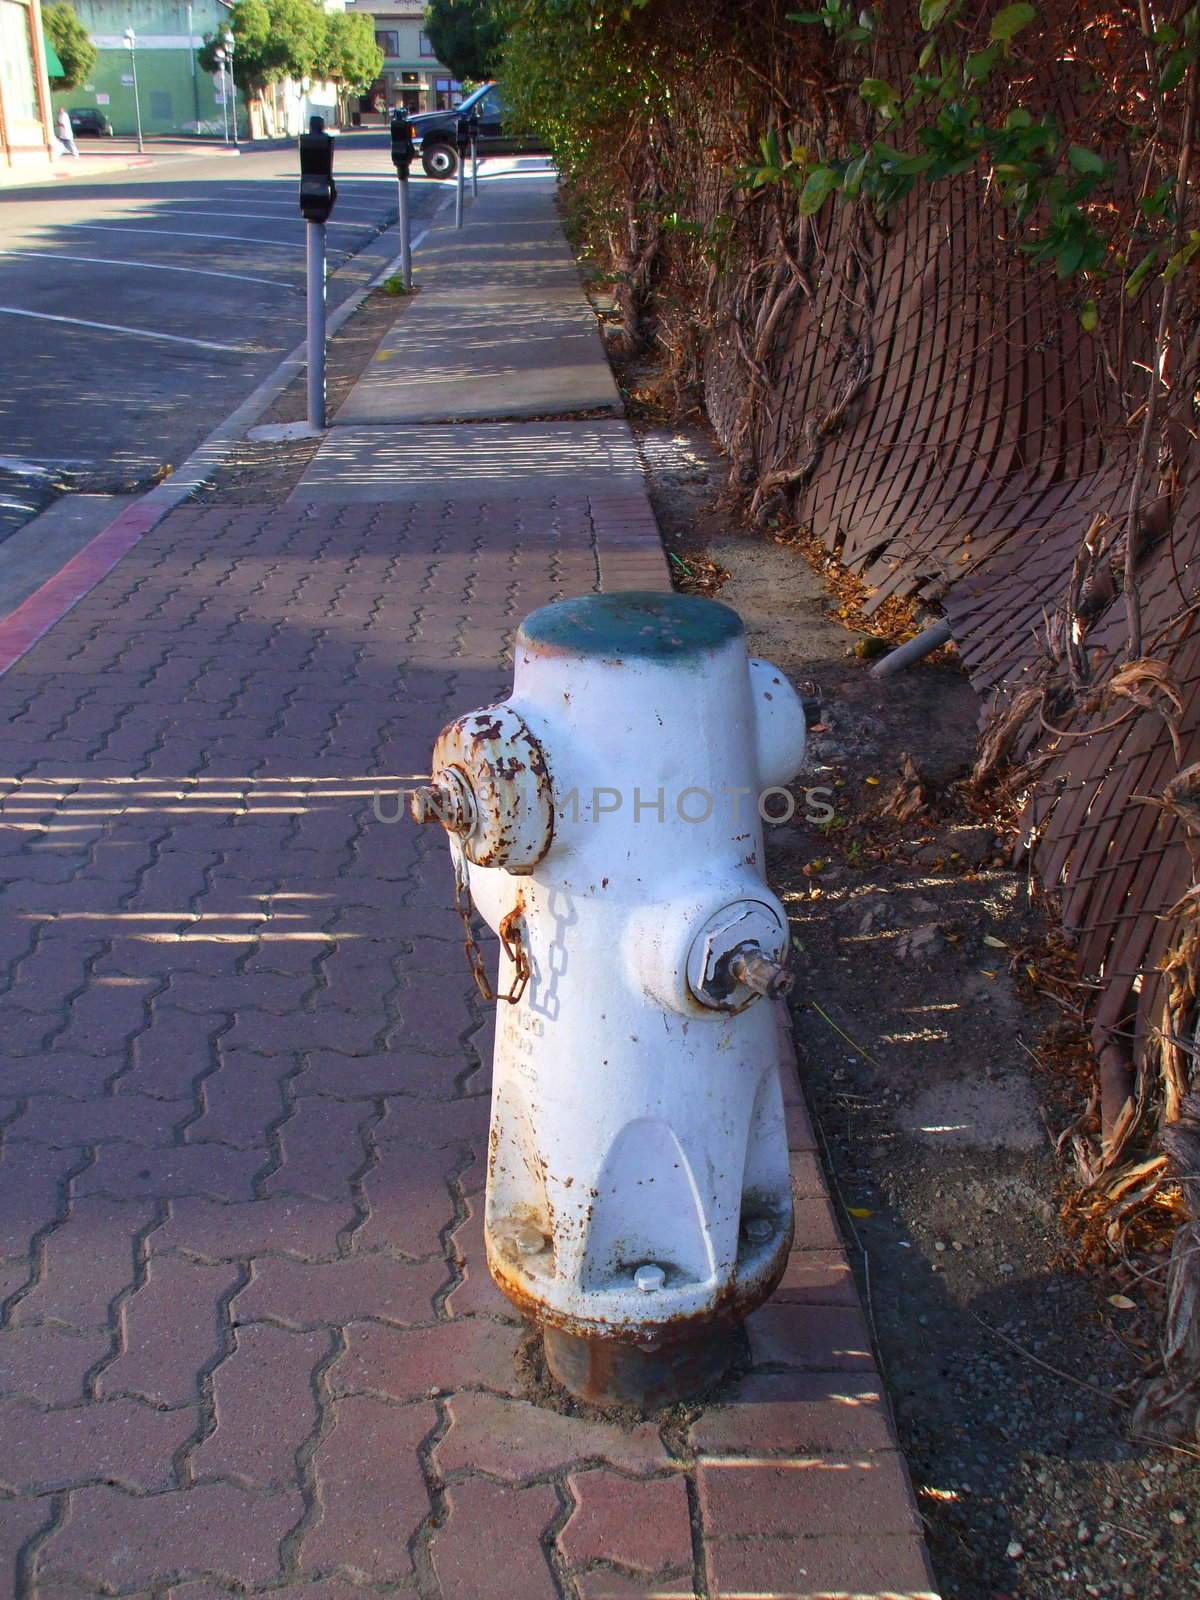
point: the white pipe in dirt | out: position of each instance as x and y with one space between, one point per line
937 633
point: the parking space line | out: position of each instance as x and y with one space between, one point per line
255 216
289 202
136 333
148 266
178 233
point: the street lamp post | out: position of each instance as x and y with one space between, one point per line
192 59
229 42
131 45
219 58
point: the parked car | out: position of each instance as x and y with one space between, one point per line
434 131
89 120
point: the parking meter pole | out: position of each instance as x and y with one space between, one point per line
405 231
474 164
463 141
402 156
316 324
318 193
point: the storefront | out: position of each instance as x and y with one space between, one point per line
412 77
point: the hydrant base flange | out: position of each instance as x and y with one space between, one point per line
608 1372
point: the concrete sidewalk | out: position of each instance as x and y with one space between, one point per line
249 1342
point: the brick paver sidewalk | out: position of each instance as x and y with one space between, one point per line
249 1342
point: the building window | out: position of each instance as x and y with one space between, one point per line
426 47
388 41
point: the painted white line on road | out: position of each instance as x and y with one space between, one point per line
178 233
287 201
136 333
42 463
148 266
253 216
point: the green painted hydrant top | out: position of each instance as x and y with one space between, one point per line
633 622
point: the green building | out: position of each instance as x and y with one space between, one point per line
176 95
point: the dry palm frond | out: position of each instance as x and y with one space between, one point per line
1149 684
1176 1037
1002 732
1188 904
1169 1405
1181 797
910 797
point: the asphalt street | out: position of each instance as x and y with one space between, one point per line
139 308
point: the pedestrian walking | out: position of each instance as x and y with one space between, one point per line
66 134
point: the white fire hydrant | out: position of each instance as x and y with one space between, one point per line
605 820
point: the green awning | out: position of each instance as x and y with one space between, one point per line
54 67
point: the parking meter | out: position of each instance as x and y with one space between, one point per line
403 149
318 192
462 136
317 195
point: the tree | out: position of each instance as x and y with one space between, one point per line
250 23
298 30
350 57
74 46
467 35
273 39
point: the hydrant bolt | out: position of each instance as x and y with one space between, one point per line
758 1229
525 1239
649 1278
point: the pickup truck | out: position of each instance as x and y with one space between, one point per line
435 132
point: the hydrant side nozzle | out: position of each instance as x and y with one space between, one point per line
449 802
761 973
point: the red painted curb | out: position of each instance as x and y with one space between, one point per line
37 614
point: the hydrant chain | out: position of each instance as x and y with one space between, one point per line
510 938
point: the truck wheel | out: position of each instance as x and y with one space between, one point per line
439 160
